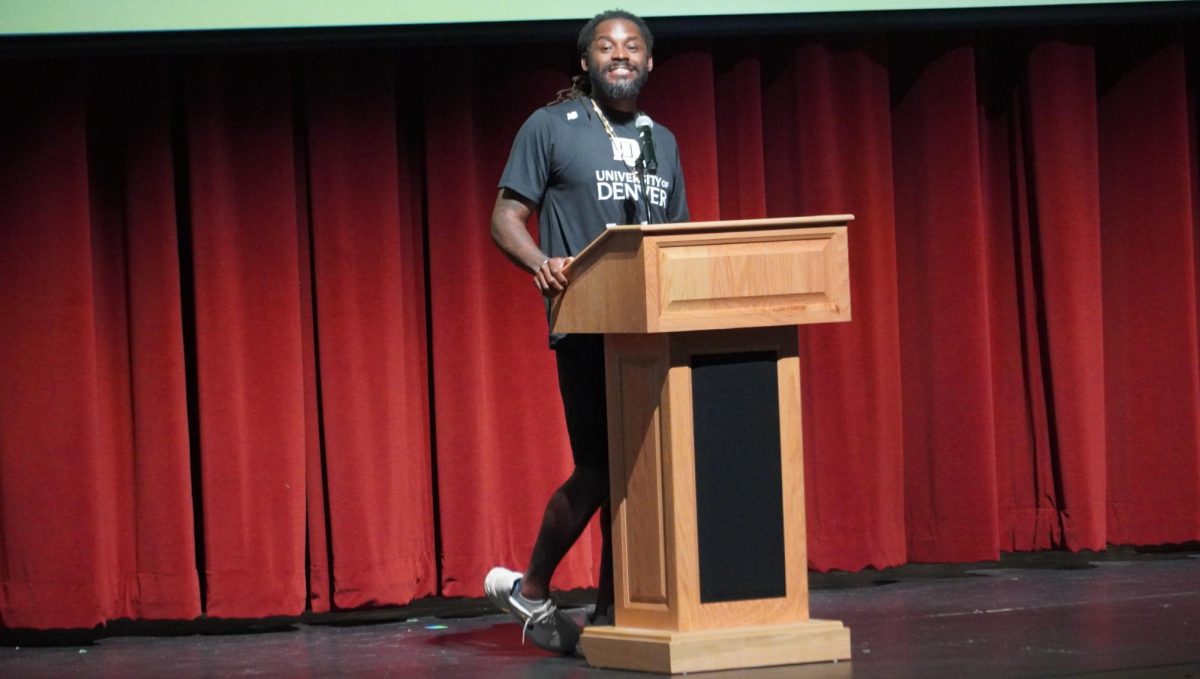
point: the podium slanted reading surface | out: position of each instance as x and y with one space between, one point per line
705 450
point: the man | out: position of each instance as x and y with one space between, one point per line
576 162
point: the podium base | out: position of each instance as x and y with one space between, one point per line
666 652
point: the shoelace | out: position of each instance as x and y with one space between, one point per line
532 620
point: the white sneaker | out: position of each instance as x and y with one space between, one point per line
549 628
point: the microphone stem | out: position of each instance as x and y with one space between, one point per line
642 176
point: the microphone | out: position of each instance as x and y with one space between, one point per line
645 130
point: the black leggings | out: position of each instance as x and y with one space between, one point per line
581 383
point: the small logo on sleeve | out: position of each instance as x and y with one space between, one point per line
572 115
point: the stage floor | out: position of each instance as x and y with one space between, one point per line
1115 614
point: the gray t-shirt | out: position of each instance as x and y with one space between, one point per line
583 182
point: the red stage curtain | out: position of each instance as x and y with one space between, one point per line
950 463
827 133
364 193
1148 213
258 354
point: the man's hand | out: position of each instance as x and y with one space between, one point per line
508 230
549 276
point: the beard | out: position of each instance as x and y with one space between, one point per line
623 89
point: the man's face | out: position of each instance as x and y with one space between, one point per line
616 61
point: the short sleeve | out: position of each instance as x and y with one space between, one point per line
528 169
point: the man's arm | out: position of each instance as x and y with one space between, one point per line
509 216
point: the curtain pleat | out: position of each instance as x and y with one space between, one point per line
135 258
1064 206
370 332
1149 275
258 353
828 136
58 561
248 349
1025 488
949 431
738 102
683 99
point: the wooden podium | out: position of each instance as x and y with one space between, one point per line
706 459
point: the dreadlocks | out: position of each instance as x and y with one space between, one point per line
581 84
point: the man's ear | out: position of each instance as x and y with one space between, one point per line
583 64
649 64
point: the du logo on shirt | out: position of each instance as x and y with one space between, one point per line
626 150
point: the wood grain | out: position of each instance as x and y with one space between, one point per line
678 652
710 275
663 294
